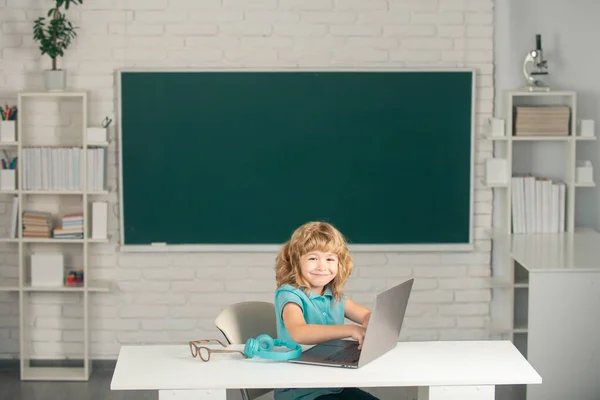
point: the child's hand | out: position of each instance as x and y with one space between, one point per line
358 333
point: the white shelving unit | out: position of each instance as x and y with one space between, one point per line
517 292
34 361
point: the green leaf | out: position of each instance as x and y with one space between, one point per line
72 1
55 34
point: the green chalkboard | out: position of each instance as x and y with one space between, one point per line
245 157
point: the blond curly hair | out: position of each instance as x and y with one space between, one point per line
313 236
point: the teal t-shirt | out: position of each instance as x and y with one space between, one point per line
317 309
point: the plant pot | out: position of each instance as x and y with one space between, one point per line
55 80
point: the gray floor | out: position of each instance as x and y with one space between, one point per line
98 388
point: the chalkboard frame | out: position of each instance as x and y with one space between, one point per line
425 247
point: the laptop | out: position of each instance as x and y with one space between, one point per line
382 334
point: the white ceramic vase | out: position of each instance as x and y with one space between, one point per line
55 80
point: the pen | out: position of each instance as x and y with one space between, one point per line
106 122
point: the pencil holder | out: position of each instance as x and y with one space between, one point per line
584 172
586 127
497 127
47 269
496 171
96 134
8 131
8 179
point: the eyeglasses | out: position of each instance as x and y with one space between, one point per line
205 352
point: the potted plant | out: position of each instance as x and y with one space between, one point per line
55 37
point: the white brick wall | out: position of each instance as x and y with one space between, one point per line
175 297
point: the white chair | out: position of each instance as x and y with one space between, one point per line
242 321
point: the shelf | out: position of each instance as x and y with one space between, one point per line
499 185
584 184
519 327
9 285
97 144
541 138
519 261
500 138
63 192
94 286
551 93
500 283
63 366
64 93
89 144
54 373
53 240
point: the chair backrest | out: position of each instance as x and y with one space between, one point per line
242 321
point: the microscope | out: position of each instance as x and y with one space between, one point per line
535 65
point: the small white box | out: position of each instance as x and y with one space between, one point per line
586 127
8 131
8 179
496 171
584 172
47 269
497 127
99 220
96 134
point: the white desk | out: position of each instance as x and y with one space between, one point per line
441 370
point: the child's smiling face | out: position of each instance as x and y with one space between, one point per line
319 268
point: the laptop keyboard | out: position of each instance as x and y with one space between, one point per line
348 354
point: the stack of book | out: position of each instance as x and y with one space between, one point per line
542 120
71 227
62 168
36 224
538 205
